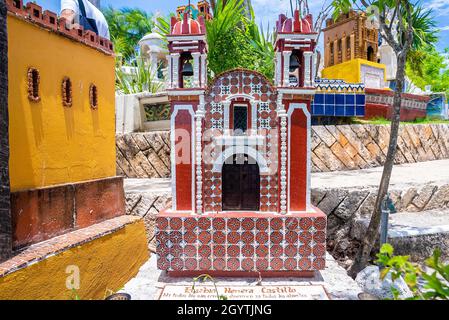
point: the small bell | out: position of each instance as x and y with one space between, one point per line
294 63
187 70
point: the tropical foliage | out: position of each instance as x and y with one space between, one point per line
431 69
127 26
136 79
433 285
235 40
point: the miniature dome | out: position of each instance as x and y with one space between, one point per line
153 43
151 36
296 24
187 26
304 26
193 27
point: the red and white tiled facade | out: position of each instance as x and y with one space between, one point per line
241 242
283 233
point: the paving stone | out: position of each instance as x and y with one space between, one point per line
423 197
440 199
328 158
141 142
350 204
317 195
332 200
344 158
408 196
324 134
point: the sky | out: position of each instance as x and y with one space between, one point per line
266 10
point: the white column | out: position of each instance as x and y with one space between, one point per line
254 117
200 113
282 114
278 76
153 64
203 70
226 110
307 68
314 66
169 72
175 81
196 69
287 55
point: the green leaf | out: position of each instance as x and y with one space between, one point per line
384 273
387 249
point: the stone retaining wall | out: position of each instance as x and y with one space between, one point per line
343 206
334 148
144 155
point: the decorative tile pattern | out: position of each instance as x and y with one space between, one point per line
233 242
217 106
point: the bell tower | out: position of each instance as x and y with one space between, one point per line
295 46
187 53
186 85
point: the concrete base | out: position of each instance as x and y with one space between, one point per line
150 282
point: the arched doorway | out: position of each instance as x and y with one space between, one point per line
241 184
370 54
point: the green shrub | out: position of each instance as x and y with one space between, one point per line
424 286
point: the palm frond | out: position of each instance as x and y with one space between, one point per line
140 79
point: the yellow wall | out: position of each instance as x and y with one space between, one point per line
350 71
105 265
51 144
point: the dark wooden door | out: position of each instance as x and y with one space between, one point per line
241 186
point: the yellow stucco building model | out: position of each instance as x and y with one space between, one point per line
372 74
351 51
52 143
67 205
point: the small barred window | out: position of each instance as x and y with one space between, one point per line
67 96
34 79
93 96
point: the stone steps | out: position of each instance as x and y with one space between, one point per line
416 234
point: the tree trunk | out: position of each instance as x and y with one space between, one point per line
5 212
372 233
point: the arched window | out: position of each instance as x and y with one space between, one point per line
370 54
348 48
93 96
34 79
67 96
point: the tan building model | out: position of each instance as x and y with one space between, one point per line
348 38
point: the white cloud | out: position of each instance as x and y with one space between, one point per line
267 11
439 7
